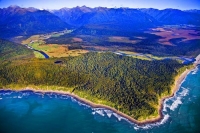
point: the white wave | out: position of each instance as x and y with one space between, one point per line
195 70
176 103
73 99
194 73
164 120
82 104
38 93
136 128
19 97
184 92
1 98
25 94
165 106
95 109
77 101
117 116
49 95
168 105
64 97
145 127
53 95
108 112
7 93
100 112
177 99
120 117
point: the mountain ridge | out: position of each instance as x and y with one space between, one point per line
79 16
17 21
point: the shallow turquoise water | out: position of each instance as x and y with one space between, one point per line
28 112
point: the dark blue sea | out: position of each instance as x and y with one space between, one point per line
29 112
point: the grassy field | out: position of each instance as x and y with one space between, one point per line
55 50
38 54
34 38
141 56
52 50
58 34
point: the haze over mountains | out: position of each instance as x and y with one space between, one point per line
17 21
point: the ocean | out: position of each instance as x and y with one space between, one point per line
29 112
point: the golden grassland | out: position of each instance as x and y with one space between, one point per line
62 51
172 33
122 39
52 50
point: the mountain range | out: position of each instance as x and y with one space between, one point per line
17 21
80 16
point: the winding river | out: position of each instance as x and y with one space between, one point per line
41 52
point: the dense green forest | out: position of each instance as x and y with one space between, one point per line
129 85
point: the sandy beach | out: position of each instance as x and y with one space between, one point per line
175 87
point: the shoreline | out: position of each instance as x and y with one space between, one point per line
178 81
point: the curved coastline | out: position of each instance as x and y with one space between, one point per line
178 81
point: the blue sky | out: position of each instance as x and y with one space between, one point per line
57 4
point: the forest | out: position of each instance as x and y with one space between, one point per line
129 85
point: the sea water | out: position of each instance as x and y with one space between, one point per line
29 112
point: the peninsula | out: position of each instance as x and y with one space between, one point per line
98 79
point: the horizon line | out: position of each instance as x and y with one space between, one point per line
97 7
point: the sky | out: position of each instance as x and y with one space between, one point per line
57 4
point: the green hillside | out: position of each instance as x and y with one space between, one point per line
13 51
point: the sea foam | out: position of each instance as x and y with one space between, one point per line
195 70
98 111
176 100
108 113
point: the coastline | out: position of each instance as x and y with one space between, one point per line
178 81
